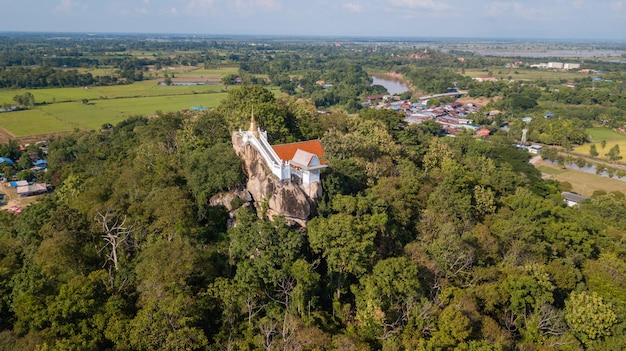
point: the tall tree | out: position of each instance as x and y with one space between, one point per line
346 243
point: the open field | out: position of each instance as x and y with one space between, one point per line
598 135
138 89
582 182
31 122
94 71
61 110
523 73
584 149
60 117
216 73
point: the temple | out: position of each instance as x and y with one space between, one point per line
300 162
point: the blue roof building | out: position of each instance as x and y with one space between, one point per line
41 164
7 161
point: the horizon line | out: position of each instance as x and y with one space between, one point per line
324 36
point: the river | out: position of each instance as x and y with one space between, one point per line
393 86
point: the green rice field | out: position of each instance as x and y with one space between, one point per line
65 109
597 135
139 89
67 116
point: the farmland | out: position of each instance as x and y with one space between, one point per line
65 109
66 116
600 135
138 89
582 182
523 73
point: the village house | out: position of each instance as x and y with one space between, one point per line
454 117
573 199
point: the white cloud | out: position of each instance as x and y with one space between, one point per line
199 4
196 7
353 7
269 4
618 5
497 9
251 5
578 3
420 4
69 7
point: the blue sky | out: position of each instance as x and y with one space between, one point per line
550 19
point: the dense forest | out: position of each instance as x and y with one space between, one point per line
421 242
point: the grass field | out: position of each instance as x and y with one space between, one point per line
597 135
60 117
62 109
94 71
550 170
32 122
523 73
139 89
582 182
208 73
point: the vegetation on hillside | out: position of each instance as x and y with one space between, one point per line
420 242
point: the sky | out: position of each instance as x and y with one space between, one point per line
536 19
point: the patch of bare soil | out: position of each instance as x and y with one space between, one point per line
12 201
5 136
478 101
189 80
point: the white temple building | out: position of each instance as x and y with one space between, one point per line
299 161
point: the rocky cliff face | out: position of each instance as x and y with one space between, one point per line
272 196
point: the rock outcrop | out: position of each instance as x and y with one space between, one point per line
271 196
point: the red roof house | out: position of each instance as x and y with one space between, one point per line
483 132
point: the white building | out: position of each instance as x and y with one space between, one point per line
556 65
301 160
571 66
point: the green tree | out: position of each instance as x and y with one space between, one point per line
613 153
167 79
27 99
239 104
455 327
388 296
589 316
593 151
209 170
76 313
228 79
522 102
346 243
529 288
168 314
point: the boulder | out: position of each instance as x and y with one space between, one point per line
283 198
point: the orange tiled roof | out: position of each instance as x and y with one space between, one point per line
287 151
